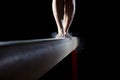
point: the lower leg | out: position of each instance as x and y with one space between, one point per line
69 11
58 11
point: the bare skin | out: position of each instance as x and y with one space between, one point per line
63 11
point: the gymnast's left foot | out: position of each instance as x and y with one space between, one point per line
60 36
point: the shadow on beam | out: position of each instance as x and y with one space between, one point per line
30 59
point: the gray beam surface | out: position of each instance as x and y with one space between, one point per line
30 59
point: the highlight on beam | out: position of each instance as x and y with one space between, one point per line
30 59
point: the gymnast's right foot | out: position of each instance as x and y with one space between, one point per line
67 35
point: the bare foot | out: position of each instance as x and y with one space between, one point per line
60 36
67 35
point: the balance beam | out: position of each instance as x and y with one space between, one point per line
30 59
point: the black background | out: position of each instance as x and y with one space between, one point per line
23 20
